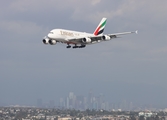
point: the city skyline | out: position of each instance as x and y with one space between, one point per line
92 101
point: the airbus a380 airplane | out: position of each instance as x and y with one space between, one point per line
80 39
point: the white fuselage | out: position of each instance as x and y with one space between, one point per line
62 35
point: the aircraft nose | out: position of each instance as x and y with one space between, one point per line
50 34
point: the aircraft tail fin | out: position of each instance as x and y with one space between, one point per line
100 28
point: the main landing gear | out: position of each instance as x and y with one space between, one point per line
68 46
82 46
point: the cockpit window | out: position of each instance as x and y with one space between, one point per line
50 32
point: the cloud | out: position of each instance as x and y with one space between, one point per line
128 8
159 51
21 27
92 10
94 2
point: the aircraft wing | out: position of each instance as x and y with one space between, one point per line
123 33
94 39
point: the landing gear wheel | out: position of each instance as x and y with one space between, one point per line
82 46
75 47
68 46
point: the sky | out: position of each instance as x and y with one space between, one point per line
131 68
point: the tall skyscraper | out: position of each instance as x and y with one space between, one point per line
51 104
61 103
90 99
39 103
67 104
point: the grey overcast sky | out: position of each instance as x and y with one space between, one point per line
131 68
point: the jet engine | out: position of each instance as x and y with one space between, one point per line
52 42
106 37
86 40
45 40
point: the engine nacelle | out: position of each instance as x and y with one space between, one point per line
86 40
106 37
45 40
52 42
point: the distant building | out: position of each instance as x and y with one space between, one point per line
51 104
67 104
39 103
165 110
147 114
61 103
